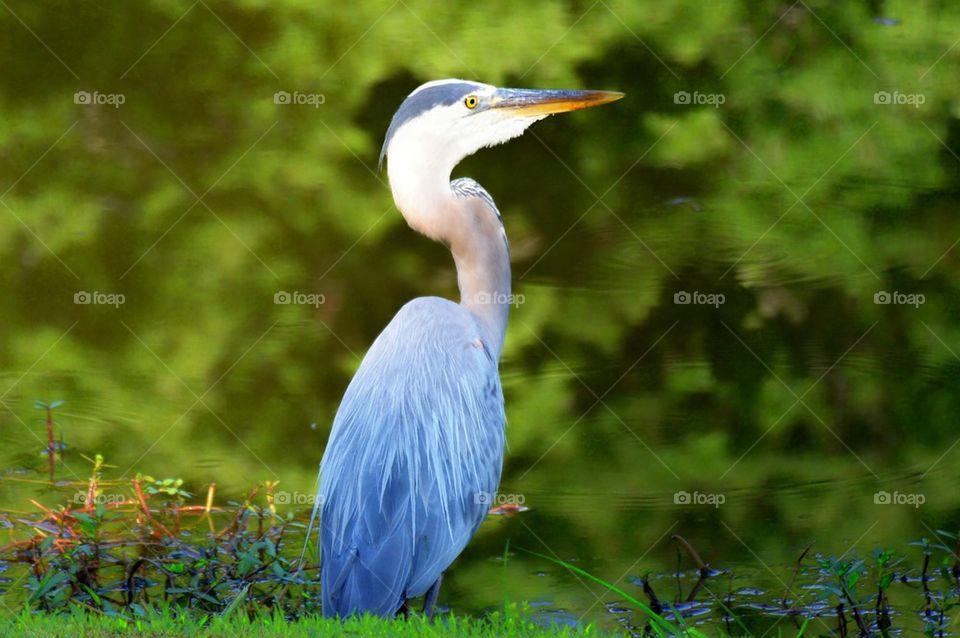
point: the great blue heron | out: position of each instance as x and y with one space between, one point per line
416 449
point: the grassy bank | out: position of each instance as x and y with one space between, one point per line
32 625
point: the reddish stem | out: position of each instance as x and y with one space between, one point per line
146 509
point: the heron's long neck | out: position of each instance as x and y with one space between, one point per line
472 230
483 273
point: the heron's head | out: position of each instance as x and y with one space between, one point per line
442 122
446 120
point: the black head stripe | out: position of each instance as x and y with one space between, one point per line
424 100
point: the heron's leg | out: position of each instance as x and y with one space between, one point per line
432 594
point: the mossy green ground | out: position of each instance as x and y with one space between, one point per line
85 625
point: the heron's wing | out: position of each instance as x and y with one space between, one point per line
414 455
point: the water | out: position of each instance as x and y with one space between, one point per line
774 410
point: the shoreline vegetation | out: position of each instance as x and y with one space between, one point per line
152 562
142 553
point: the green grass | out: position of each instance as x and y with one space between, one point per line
166 625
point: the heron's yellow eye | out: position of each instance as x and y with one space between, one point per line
471 102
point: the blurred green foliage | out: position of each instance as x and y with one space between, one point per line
799 197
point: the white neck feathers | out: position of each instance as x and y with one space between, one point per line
468 224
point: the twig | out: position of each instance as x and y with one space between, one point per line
882 611
655 603
146 509
703 568
690 550
50 443
235 524
956 562
211 489
50 513
133 572
796 572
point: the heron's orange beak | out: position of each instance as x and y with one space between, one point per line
546 101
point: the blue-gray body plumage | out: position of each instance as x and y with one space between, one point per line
414 456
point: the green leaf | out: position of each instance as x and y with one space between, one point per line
83 517
93 594
206 597
852 579
834 589
247 563
49 582
236 602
